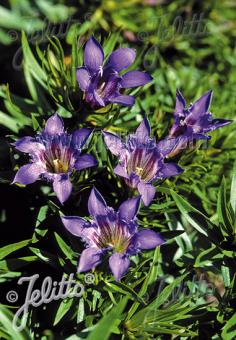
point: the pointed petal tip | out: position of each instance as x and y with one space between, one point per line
121 58
148 239
208 94
113 142
147 192
135 78
74 224
27 174
85 161
180 103
144 130
119 264
125 100
89 259
120 170
96 203
83 78
93 54
129 208
62 187
54 125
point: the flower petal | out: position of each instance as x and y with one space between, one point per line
170 169
147 191
119 264
81 136
167 145
198 136
74 224
128 209
180 104
98 100
28 174
199 108
96 203
123 100
148 239
182 142
121 59
144 130
89 259
62 187
85 161
54 125
27 144
113 142
218 123
111 84
121 171
93 55
83 78
134 79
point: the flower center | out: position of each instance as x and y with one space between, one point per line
119 245
59 166
139 171
101 89
143 163
113 235
57 162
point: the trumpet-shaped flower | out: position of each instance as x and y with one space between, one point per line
141 160
194 122
100 83
54 154
110 232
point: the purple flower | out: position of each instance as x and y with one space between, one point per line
194 122
110 231
141 160
102 84
54 154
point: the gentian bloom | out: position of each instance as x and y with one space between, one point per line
141 160
102 84
54 154
192 123
110 231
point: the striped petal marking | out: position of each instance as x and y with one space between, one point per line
143 163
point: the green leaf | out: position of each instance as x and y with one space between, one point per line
233 190
81 311
63 308
105 326
197 219
150 278
229 330
32 69
10 248
15 264
39 232
64 247
138 318
56 13
6 318
222 209
182 240
9 122
35 123
53 260
225 271
111 41
11 20
124 289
